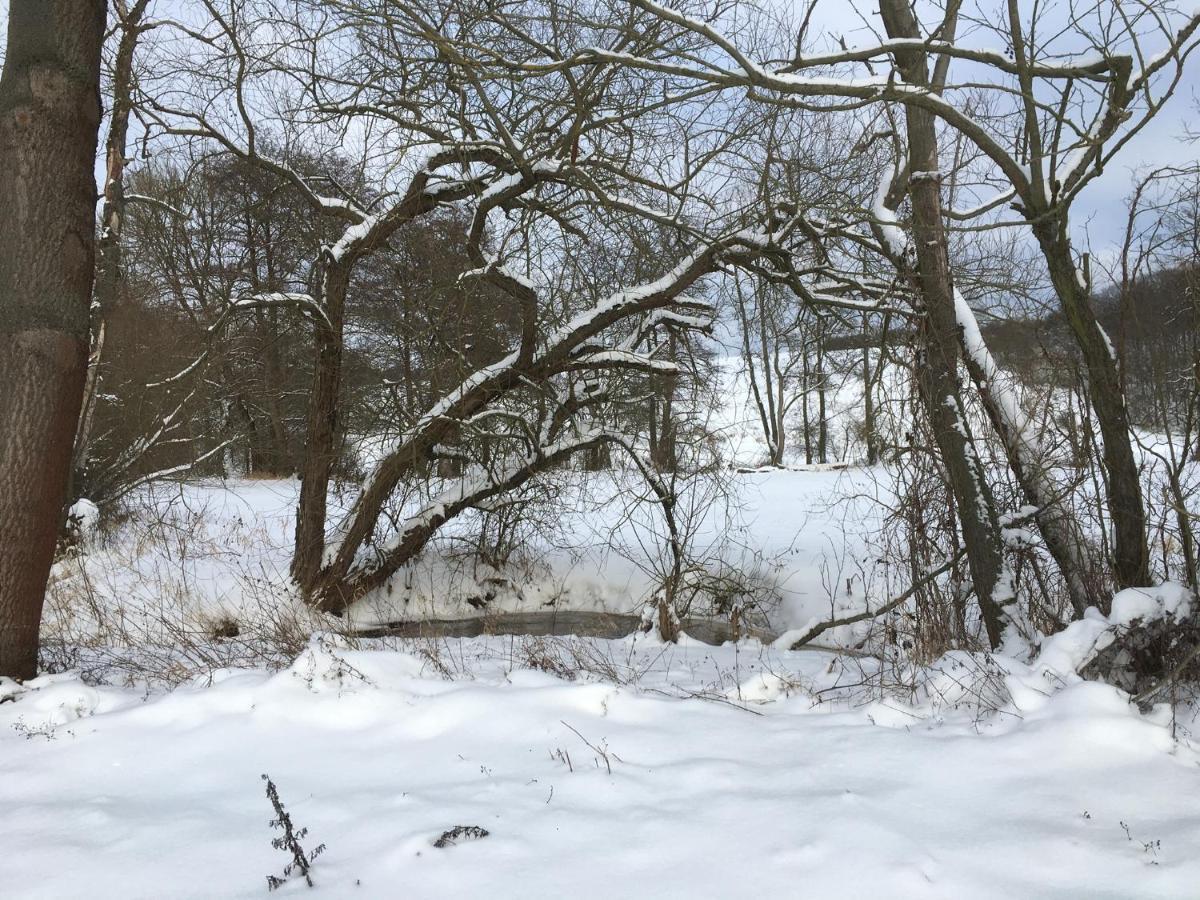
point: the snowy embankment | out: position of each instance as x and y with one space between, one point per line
636 771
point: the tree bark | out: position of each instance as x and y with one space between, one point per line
662 450
870 432
322 429
805 422
1131 555
939 382
49 120
112 220
822 411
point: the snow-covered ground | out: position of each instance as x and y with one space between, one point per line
599 768
635 771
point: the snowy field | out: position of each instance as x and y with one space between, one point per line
599 768
636 771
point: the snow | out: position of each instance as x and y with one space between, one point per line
739 770
1149 604
625 358
500 186
998 382
889 227
352 236
599 768
209 550
719 773
84 515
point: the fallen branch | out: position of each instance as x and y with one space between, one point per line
882 610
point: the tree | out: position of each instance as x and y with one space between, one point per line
543 160
49 122
939 373
772 349
1046 120
130 28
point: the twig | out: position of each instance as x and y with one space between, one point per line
1169 680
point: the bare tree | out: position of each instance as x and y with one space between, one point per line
772 350
1158 338
1045 140
553 162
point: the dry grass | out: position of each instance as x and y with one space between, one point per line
139 605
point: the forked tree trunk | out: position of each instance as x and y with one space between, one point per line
939 383
49 119
769 399
779 444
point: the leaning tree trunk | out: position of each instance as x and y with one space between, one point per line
1066 545
49 119
939 376
1131 556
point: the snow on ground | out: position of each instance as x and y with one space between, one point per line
718 772
600 768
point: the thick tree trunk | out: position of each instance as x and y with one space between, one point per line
939 375
665 456
1131 556
662 450
49 119
322 430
